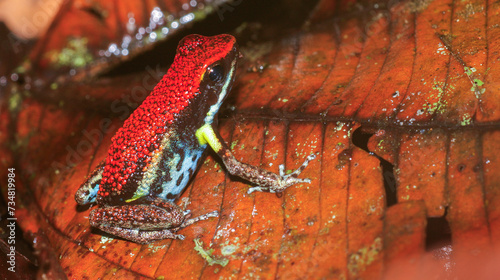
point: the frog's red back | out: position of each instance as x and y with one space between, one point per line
134 145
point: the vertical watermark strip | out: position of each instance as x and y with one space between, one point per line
11 210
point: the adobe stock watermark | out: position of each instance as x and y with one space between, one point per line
227 6
11 213
91 138
32 24
390 181
380 19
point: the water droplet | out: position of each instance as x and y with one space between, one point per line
112 48
14 77
187 18
152 37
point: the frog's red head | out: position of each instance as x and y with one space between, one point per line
195 53
204 49
203 67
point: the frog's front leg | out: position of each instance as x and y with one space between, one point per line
286 180
144 223
87 193
265 180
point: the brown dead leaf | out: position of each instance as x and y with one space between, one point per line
398 99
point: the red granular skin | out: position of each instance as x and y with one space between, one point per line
141 134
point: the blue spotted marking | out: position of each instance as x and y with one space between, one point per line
176 185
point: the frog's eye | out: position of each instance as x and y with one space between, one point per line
216 73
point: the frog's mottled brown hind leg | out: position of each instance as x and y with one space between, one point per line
148 236
143 223
140 236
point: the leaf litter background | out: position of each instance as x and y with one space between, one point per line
398 99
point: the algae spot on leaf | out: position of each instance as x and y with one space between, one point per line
207 254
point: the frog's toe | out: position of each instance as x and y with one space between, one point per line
302 180
188 222
258 189
180 236
297 171
291 179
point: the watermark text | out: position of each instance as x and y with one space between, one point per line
11 210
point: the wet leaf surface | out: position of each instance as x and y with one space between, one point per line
399 100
